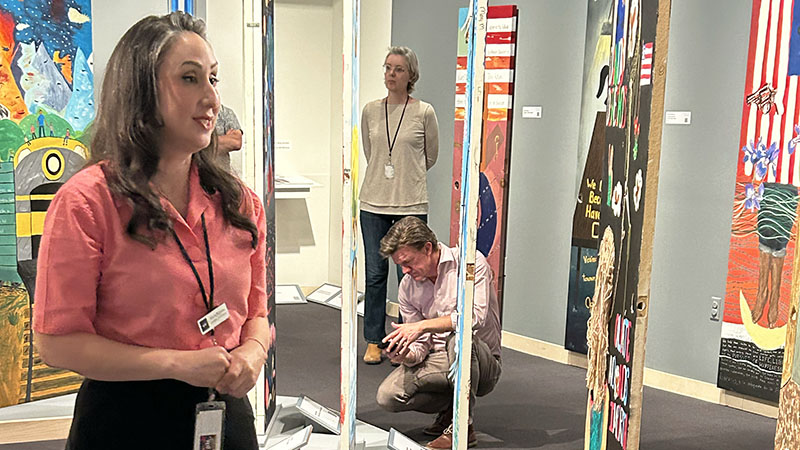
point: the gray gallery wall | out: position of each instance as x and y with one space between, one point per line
706 66
110 21
543 163
705 75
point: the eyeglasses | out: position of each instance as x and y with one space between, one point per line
396 69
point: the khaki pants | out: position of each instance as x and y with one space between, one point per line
425 387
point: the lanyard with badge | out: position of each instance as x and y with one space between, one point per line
388 169
210 415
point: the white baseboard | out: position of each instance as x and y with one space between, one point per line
543 349
702 390
652 378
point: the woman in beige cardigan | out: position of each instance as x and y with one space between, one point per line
400 135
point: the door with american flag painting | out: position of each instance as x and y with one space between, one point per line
764 229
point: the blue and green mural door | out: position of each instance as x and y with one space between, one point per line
46 109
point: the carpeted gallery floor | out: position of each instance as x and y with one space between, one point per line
538 404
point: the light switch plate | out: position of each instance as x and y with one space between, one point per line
716 308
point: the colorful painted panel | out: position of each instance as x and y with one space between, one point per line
46 107
501 38
351 32
618 322
268 92
475 32
763 232
787 431
182 5
591 144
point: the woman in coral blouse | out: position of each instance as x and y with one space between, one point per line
151 272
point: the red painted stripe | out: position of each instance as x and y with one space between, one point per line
782 124
501 11
501 38
759 131
492 62
794 155
497 114
499 88
775 75
499 62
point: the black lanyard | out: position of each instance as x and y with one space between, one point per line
208 300
386 110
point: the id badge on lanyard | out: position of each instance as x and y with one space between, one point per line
209 420
214 315
388 169
210 321
209 426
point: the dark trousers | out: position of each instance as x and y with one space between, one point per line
373 228
153 415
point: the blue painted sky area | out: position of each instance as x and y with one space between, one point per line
48 22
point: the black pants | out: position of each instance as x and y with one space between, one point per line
373 228
153 415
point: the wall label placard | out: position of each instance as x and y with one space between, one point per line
531 112
297 440
399 441
678 117
319 414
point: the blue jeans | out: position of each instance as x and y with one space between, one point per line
373 228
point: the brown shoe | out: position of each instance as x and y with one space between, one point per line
373 354
445 441
441 423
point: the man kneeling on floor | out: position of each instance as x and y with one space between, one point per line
425 344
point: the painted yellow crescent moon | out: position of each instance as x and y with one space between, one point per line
765 338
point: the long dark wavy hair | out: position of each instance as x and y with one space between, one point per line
127 130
